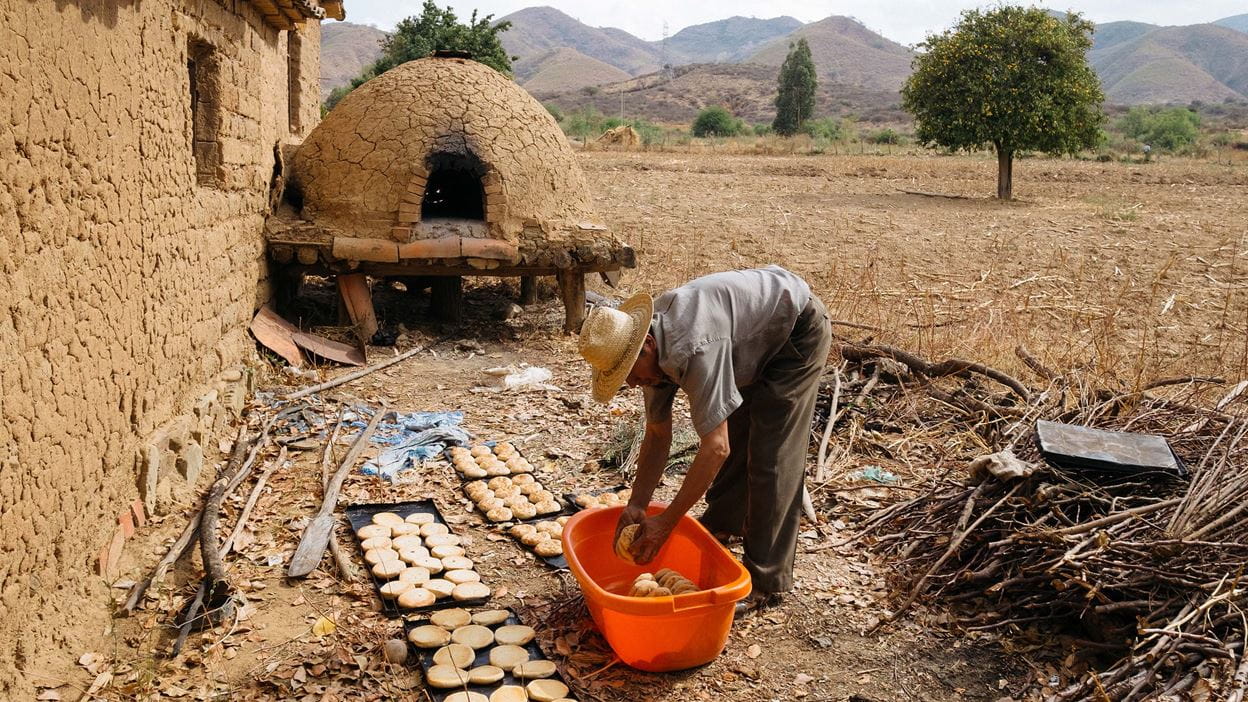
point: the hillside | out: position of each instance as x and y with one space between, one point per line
1175 64
747 89
845 52
564 69
536 30
1239 23
726 41
1114 33
346 49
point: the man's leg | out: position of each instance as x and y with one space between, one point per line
726 498
780 417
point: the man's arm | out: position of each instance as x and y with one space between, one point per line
712 453
656 444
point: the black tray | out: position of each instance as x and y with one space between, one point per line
425 658
560 500
556 562
569 498
361 515
1110 452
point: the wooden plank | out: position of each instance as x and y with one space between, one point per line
447 300
277 335
358 299
528 289
330 349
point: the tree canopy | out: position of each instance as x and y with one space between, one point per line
795 101
716 121
435 29
1011 77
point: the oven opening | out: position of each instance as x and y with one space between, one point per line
453 189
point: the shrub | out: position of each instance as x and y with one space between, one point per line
715 121
829 128
885 136
1168 129
762 129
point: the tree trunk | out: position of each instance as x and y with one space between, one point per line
1005 174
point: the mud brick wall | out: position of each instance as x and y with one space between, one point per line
130 270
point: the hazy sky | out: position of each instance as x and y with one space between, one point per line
905 21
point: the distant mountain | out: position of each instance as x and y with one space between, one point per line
564 69
726 41
1173 64
1239 23
537 30
346 49
845 52
1114 33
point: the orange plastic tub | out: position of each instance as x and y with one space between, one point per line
656 633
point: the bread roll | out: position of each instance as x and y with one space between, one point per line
376 542
405 542
439 587
499 514
446 676
368 531
414 575
433 529
429 636
442 540
446 551
509 693
486 675
474 472
499 482
394 588
523 479
457 563
470 591
519 531
389 569
625 542
460 576
404 529
546 690
514 635
417 597
523 510
466 696
456 655
534 669
473 635
451 619
491 617
549 548
508 657
387 518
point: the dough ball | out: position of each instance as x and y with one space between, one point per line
499 482
519 531
446 551
478 451
415 598
389 569
394 588
451 618
491 617
433 529
376 542
514 635
387 518
456 655
609 499
523 479
549 548
459 576
529 488
548 527
446 676
535 669
414 575
404 529
546 690
513 501
547 507
485 675
470 591
508 657
476 485
439 587
473 635
562 521
587 501
533 539
499 514
504 446
368 531
506 491
524 510
625 542
491 503
429 636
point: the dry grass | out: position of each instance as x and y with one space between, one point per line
1127 271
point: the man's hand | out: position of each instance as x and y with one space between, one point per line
650 538
630 515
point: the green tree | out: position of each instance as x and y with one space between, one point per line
1016 78
795 101
715 121
435 29
1167 129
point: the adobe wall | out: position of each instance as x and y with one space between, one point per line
128 287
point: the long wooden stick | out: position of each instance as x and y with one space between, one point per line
316 536
822 467
353 375
345 569
251 502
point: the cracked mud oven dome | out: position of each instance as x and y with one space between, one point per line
447 147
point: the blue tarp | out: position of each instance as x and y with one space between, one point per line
414 437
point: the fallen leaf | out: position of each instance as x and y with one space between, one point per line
49 695
323 627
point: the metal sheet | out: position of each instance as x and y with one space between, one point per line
332 350
277 335
1109 451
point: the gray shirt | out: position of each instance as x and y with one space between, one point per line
714 336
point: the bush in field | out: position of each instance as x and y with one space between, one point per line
1014 78
795 100
885 136
716 121
1168 129
829 128
762 129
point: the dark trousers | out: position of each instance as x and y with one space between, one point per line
758 491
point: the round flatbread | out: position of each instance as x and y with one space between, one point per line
433 529
402 543
455 655
499 514
446 676
625 542
549 548
536 669
457 563
378 555
474 472
459 577
491 617
411 556
387 518
442 540
473 635
523 479
417 597
420 518
414 575
480 450
498 482
514 635
394 588
546 690
485 675
508 657
547 507
509 693
534 538
524 510
470 591
439 587
429 636
370 530
389 569
451 618
490 503
376 542
441 552
466 696
429 563
405 529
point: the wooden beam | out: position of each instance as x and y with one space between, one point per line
528 289
358 300
572 290
447 301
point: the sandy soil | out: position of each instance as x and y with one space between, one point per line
1137 270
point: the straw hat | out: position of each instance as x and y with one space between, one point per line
611 340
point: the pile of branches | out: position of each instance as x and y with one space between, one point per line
1146 572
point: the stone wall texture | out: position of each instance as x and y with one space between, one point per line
363 170
128 285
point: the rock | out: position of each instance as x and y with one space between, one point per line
395 651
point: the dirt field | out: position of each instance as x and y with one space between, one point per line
1135 270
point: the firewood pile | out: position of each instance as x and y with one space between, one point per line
1144 574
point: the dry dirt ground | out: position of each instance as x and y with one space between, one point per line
1135 270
